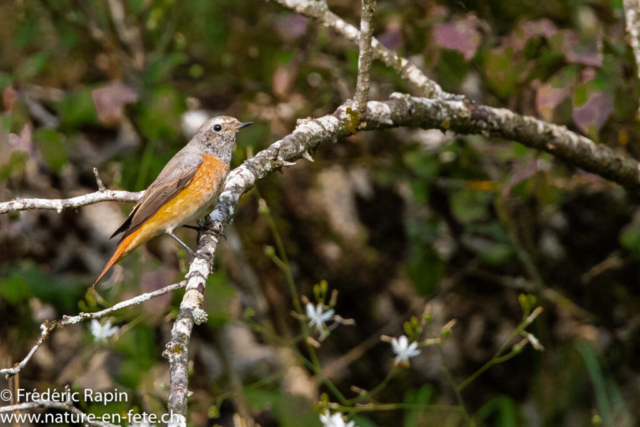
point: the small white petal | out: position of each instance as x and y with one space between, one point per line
404 341
327 315
102 332
404 350
318 317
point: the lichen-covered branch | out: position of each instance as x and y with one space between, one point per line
72 203
365 56
319 10
405 110
190 314
465 118
47 327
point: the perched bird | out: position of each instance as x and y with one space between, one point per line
186 189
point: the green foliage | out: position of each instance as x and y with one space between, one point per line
138 347
27 280
14 289
451 70
425 165
501 74
77 109
15 164
425 269
500 410
159 117
32 66
160 69
471 206
630 238
52 147
423 396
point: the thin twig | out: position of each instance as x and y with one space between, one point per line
47 327
499 357
72 203
101 186
319 11
365 56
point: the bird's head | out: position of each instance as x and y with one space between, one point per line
218 135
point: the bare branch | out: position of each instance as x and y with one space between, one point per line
319 11
458 116
101 186
47 327
364 59
65 406
73 203
177 350
464 118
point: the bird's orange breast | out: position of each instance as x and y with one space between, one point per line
198 196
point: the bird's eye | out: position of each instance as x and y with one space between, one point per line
217 128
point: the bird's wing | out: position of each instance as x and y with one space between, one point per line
175 176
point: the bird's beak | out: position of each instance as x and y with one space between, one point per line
243 125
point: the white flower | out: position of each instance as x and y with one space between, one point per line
334 420
318 316
102 332
404 350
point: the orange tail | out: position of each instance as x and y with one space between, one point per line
119 254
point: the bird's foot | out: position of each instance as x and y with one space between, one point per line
206 226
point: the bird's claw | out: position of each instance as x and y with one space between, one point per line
206 227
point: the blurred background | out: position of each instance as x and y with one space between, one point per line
399 222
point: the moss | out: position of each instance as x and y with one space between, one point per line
353 121
176 349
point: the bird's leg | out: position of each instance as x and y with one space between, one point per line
193 254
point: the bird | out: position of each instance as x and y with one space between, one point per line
186 189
